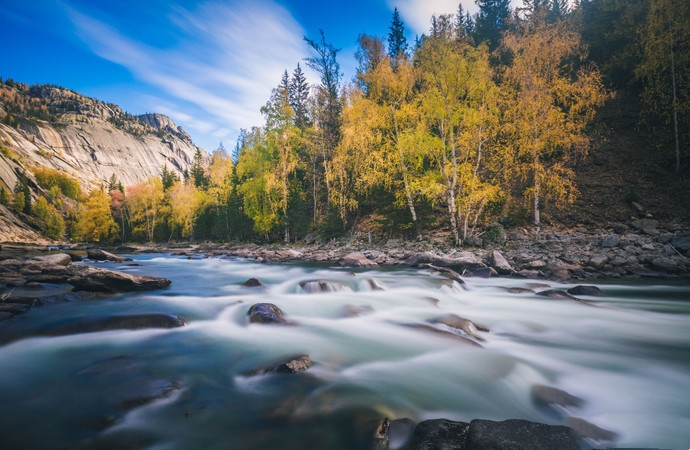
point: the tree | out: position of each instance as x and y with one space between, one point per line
328 106
299 98
95 222
197 172
168 178
145 207
4 196
397 42
491 20
665 72
549 105
370 53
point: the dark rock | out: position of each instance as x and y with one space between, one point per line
252 282
598 261
400 432
682 243
495 235
87 278
557 294
120 322
519 435
381 437
588 431
484 272
14 308
4 315
319 286
439 434
374 285
591 291
96 254
267 313
460 323
665 264
645 224
75 257
611 241
548 396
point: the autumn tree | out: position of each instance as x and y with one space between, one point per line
551 96
145 207
95 222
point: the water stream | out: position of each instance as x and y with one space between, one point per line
626 355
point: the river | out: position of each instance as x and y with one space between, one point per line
626 355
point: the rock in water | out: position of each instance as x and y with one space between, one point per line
592 291
252 282
318 286
547 396
267 313
96 254
500 263
460 323
288 366
87 278
518 435
439 434
123 322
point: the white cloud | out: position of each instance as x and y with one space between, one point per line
220 73
417 13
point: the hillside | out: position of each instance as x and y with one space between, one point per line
87 139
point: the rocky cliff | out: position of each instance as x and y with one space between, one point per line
90 140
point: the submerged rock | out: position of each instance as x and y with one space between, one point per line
547 396
443 333
460 323
319 286
288 366
592 291
252 282
590 432
267 313
120 322
518 434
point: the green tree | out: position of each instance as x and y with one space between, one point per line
169 177
299 98
4 196
397 42
665 72
197 171
491 21
55 225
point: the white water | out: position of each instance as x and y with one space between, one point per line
627 355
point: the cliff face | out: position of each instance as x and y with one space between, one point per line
90 140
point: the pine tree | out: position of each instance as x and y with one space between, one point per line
397 42
299 98
491 20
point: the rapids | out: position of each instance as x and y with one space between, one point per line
625 354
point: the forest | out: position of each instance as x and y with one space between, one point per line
482 120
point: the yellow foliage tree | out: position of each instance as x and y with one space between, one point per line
145 206
95 222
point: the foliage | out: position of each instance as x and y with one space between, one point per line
49 178
95 222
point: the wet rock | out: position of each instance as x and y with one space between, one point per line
484 272
665 264
288 366
547 396
592 291
96 254
500 263
5 315
252 282
460 323
381 437
358 310
58 259
590 432
557 294
611 241
319 286
266 313
374 286
357 259
14 308
444 333
120 322
94 279
439 434
400 432
518 435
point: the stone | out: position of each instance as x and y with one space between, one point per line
266 313
598 261
439 434
500 263
645 224
287 366
548 396
536 264
590 432
665 264
58 259
681 243
252 282
96 254
556 294
118 322
319 286
357 259
611 241
484 272
87 278
495 235
517 434
586 290
460 323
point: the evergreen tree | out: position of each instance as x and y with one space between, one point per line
491 20
168 178
198 173
299 98
397 42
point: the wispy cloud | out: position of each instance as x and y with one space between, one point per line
219 73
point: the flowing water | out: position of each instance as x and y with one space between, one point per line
626 355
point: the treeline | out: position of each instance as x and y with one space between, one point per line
480 120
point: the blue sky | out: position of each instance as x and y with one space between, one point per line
209 65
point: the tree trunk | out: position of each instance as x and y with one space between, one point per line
675 94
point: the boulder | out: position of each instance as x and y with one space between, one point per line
611 241
289 366
439 434
484 272
87 278
682 243
266 313
598 261
461 324
400 432
665 264
58 259
495 235
557 294
645 224
590 432
500 263
546 396
252 282
357 259
96 254
517 434
592 291
118 322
